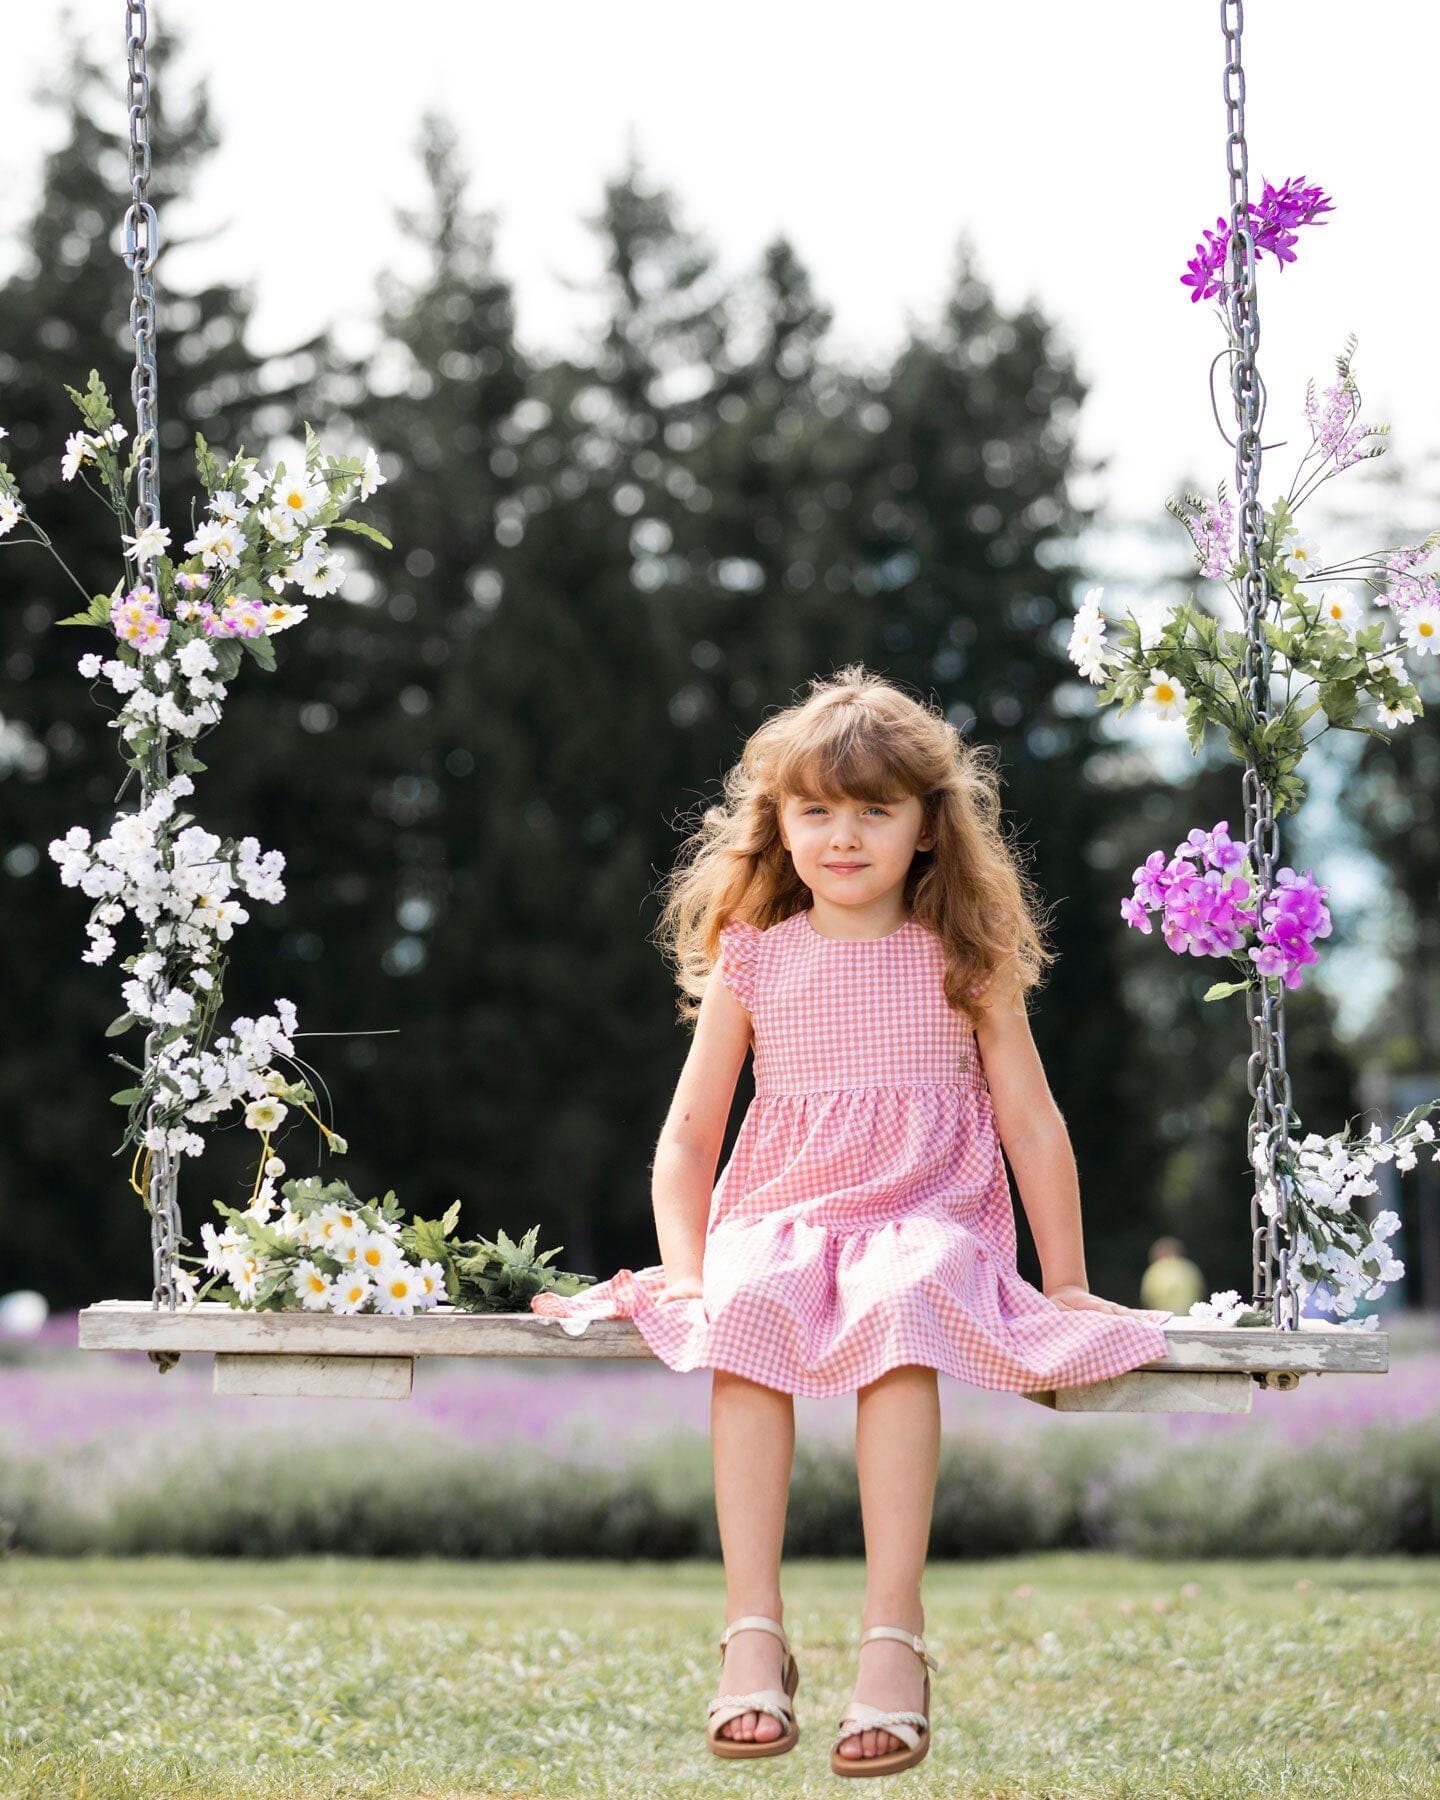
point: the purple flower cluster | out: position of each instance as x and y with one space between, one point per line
1215 540
1406 586
137 620
1207 912
1334 427
1274 224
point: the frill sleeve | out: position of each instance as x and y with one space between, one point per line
739 947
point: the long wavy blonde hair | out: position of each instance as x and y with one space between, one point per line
858 736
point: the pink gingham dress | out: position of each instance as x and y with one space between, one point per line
864 1219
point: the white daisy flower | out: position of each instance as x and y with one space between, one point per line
1151 618
1338 606
224 505
280 526
245 1272
146 544
350 1291
11 512
320 576
370 476
1087 648
397 1289
338 1229
1165 697
1300 556
78 449
1420 627
265 1115
314 1286
298 497
218 542
376 1253
1391 716
255 484
431 1278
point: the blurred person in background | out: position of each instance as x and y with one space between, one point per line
1171 1281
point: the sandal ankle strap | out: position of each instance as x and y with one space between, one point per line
754 1622
912 1638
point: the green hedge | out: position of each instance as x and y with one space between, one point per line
1369 1491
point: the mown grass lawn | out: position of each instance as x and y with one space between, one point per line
1060 1675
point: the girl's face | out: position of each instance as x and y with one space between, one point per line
852 852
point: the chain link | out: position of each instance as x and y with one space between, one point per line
142 243
1266 1074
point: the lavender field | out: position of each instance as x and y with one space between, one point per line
95 1447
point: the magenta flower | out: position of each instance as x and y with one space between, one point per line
1207 910
1274 224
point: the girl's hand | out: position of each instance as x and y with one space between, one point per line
688 1287
1079 1299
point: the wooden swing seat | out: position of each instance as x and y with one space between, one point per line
371 1356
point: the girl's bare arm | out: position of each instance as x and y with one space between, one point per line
683 1172
1036 1143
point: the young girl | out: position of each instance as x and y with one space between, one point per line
876 940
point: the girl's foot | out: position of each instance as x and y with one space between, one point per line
753 1659
891 1675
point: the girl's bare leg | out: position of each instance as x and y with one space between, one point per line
752 1436
897 1454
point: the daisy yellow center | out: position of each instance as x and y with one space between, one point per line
372 1257
398 1288
317 1284
294 501
1425 628
1164 691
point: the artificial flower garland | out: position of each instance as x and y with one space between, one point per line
178 644
1180 664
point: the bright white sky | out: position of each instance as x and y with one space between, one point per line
1081 147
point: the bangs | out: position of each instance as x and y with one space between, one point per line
842 758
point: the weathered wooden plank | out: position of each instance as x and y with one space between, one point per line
447 1331
326 1377
444 1331
1160 1391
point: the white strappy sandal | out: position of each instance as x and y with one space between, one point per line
912 1728
776 1701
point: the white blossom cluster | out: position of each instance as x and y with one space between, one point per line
1337 1255
181 888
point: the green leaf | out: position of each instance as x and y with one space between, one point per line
205 465
97 613
128 1096
1221 990
187 762
260 648
94 404
123 1023
1195 723
365 530
452 1212
1340 700
228 657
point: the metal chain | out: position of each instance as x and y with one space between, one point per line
142 242
1266 1074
